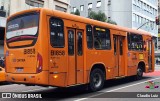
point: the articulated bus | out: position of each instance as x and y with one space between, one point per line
52 48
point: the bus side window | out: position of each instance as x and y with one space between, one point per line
56 33
121 46
70 42
136 42
80 45
89 36
102 38
129 41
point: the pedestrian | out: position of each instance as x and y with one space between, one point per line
157 61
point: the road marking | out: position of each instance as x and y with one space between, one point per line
116 89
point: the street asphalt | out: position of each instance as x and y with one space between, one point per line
126 89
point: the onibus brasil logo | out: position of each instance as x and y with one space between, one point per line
152 85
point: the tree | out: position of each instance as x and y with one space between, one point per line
112 22
100 16
76 12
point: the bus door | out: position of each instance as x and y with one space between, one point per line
119 68
150 49
75 56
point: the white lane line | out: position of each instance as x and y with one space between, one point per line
116 89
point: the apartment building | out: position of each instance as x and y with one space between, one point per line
157 53
4 8
8 7
127 13
18 5
135 14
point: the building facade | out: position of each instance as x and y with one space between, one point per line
8 7
4 8
61 5
157 53
127 13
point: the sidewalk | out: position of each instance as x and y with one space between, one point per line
155 73
157 67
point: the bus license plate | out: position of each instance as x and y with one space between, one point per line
19 70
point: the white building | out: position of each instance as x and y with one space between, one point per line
8 7
157 53
4 7
19 5
127 13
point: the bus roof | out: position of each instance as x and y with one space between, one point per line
81 19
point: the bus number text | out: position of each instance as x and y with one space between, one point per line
57 52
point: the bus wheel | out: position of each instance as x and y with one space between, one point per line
96 80
139 74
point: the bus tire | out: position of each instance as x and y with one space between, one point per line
96 80
139 73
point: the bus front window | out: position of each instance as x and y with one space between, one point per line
22 31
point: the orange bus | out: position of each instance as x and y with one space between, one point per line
47 47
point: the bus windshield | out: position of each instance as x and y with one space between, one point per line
22 31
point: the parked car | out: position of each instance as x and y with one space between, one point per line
2 75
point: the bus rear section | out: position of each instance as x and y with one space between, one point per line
23 59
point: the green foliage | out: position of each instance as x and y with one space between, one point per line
112 22
100 16
76 12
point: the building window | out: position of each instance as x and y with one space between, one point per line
102 38
60 8
137 18
134 1
152 10
140 20
89 36
74 9
35 3
155 12
144 6
138 3
134 17
90 6
98 4
56 32
82 8
147 7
